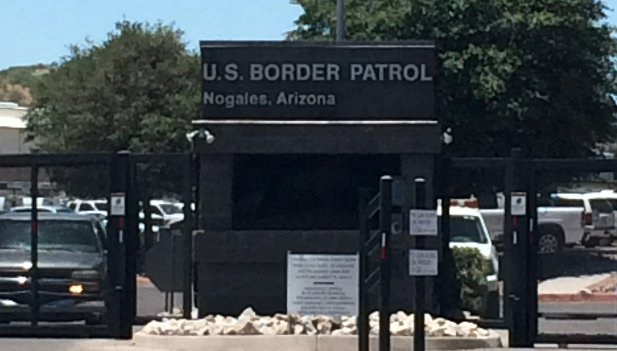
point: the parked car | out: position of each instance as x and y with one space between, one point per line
467 229
164 213
47 209
99 208
96 207
72 264
563 220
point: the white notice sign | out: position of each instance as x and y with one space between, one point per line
423 222
423 262
322 284
118 206
519 204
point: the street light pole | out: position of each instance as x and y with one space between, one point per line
340 20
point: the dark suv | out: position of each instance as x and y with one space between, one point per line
72 267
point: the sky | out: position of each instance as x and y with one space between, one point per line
40 31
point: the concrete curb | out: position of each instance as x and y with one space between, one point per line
303 343
580 297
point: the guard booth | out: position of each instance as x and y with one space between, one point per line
290 132
49 262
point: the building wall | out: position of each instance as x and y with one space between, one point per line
12 141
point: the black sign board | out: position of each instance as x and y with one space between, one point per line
317 80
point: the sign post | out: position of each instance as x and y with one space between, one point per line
422 262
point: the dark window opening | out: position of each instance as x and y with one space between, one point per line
304 192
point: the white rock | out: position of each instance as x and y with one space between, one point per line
245 328
348 322
483 332
399 329
374 316
281 328
308 325
401 316
267 330
153 328
247 315
323 324
230 320
249 323
342 331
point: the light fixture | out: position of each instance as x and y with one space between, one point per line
76 289
201 133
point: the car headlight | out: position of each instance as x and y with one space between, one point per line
87 274
491 267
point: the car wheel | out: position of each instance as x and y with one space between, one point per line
493 306
550 241
591 242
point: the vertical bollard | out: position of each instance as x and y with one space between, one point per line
187 256
121 321
385 228
419 339
362 322
34 246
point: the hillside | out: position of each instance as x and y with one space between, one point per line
17 83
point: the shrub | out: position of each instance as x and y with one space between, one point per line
471 271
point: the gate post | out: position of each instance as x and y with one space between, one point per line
35 303
120 321
187 197
446 290
419 339
532 254
516 248
363 291
385 228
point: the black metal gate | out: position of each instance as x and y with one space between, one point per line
522 265
49 288
121 247
167 256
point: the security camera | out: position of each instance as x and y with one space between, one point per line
447 137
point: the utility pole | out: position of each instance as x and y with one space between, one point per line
340 20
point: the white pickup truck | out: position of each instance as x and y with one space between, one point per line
564 220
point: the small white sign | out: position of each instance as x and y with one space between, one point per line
322 284
423 262
423 222
519 204
118 205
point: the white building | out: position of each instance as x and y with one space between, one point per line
13 181
13 128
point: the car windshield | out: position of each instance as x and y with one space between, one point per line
466 229
170 209
78 236
101 206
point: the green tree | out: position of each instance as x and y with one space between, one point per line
138 90
535 74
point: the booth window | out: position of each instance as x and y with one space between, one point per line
304 192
